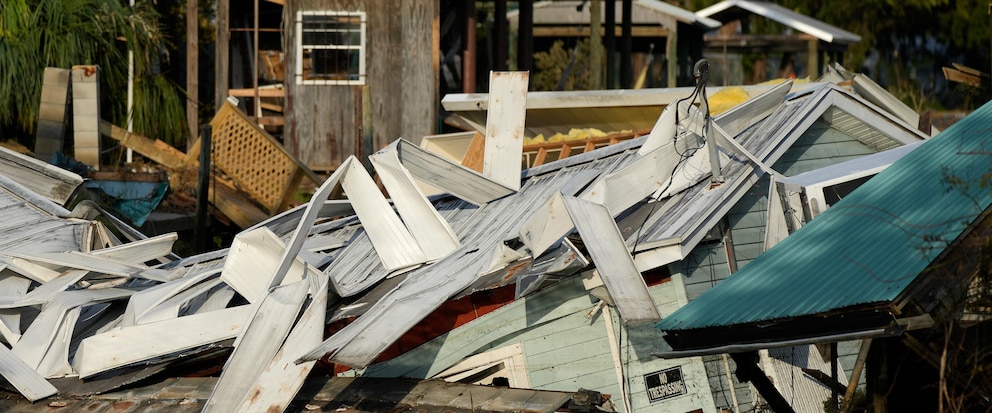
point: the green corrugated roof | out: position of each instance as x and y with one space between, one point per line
868 247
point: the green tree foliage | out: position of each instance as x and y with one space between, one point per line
563 69
963 24
35 34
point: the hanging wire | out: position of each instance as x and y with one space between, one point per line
702 75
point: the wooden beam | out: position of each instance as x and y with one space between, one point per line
154 149
469 51
542 154
968 70
505 121
235 206
272 106
525 35
626 44
192 70
852 384
954 75
475 155
264 93
222 51
584 31
501 32
271 121
610 42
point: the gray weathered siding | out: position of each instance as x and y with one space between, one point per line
703 268
820 146
324 122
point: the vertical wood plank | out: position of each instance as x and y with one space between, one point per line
505 127
193 69
474 157
542 154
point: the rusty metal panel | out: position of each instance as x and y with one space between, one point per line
277 385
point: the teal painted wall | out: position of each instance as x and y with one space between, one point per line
566 350
703 268
820 146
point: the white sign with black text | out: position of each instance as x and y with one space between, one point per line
665 384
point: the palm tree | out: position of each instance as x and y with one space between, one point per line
35 34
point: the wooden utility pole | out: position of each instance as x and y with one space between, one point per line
610 40
626 46
525 35
222 51
500 35
595 47
192 70
469 53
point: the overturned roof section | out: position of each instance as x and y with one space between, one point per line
549 113
731 10
863 252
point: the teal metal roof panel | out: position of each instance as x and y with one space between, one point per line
868 247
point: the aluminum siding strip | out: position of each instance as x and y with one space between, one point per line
257 344
601 236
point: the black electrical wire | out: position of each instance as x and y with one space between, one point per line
702 76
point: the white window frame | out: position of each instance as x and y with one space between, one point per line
300 51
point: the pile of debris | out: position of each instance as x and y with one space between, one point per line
369 284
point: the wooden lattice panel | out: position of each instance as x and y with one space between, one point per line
253 159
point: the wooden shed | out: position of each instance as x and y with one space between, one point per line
351 64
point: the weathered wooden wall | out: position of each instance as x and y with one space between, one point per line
324 122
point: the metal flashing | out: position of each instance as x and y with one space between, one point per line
433 234
140 342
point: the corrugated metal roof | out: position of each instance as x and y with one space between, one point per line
868 247
33 224
730 10
804 393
